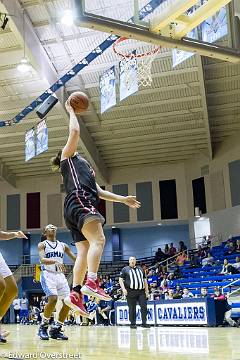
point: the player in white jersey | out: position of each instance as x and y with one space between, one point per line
8 286
53 281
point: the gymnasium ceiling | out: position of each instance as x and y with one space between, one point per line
187 111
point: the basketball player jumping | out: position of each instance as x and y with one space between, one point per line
53 281
8 286
82 216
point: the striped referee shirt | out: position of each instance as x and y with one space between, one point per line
133 277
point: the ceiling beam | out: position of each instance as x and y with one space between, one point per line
159 136
155 128
42 64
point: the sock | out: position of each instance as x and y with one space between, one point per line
77 289
92 275
45 321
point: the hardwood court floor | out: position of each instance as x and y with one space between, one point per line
178 343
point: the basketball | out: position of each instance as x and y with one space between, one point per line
79 101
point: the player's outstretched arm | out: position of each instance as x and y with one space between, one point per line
74 132
69 253
6 235
129 200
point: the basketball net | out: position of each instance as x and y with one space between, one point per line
132 51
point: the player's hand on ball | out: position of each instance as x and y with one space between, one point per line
132 202
20 235
60 267
68 107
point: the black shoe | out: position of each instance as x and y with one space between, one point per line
43 332
133 326
147 326
57 333
2 340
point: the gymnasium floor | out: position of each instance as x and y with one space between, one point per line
122 343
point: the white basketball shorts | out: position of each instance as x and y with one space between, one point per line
54 284
4 269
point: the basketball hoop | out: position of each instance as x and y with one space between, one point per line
143 54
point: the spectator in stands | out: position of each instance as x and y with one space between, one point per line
92 308
170 280
159 255
169 294
16 307
172 250
208 261
182 246
204 293
164 284
237 263
43 302
103 309
178 273
194 260
108 285
187 294
158 295
227 268
144 267
160 271
178 292
237 246
229 247
201 253
166 251
152 279
182 257
24 309
226 308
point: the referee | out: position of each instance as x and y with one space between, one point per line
134 286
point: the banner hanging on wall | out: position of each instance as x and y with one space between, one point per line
30 150
107 85
41 137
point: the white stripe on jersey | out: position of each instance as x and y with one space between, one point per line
140 279
135 279
131 279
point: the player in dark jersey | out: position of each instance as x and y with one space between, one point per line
82 216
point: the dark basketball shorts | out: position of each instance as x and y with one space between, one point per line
77 212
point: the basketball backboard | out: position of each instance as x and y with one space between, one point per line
162 22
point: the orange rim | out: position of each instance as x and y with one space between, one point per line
123 38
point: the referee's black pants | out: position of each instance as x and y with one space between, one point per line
134 297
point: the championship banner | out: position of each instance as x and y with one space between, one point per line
30 150
128 77
107 85
215 27
42 137
122 314
194 313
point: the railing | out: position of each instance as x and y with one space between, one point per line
231 284
108 256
